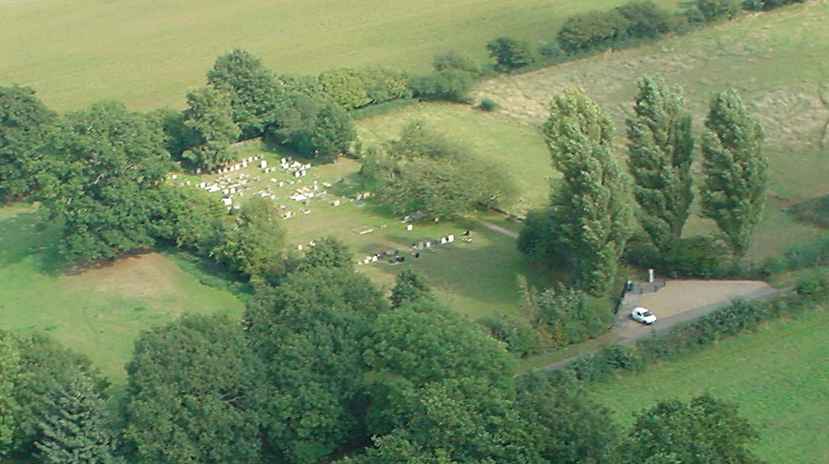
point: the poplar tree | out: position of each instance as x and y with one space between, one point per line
735 170
660 154
591 204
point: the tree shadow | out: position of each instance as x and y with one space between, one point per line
209 272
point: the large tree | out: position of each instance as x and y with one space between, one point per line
660 154
209 116
105 160
735 170
702 431
591 204
75 426
314 127
190 396
253 244
253 89
308 332
24 122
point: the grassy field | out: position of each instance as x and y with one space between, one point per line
101 311
777 62
778 376
147 53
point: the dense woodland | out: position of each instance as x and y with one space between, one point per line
324 366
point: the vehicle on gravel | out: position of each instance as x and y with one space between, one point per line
643 315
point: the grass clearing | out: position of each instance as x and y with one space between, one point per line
777 376
148 53
98 312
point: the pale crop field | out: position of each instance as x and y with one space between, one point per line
147 53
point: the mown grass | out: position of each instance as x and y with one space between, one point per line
147 53
98 312
778 376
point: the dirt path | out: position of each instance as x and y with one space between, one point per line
499 230
626 331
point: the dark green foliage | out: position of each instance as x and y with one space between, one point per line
814 211
424 342
567 427
106 160
703 257
735 170
191 394
805 255
188 218
345 87
592 31
180 138
646 19
569 315
420 140
765 5
75 426
510 54
660 155
591 205
488 105
24 123
45 368
552 51
314 127
813 284
308 332
252 87
519 337
603 364
451 85
704 430
327 253
209 115
456 420
9 375
409 287
715 10
453 60
254 243
536 239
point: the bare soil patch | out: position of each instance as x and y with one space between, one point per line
150 275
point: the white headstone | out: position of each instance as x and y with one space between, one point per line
409 227
263 164
450 238
650 276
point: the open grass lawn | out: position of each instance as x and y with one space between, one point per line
101 311
776 60
147 53
779 377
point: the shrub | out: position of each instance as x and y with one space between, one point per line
703 257
488 105
510 54
452 60
346 87
645 19
765 5
449 85
813 284
715 10
552 51
518 336
593 31
385 85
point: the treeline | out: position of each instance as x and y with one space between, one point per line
324 368
624 26
597 208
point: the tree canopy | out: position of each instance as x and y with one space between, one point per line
735 170
254 242
209 116
314 127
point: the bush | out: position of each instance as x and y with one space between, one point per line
384 85
454 61
814 284
552 51
593 31
715 10
518 336
488 105
765 5
702 257
346 87
449 85
645 19
510 54
571 316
